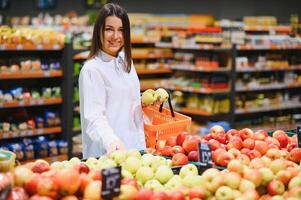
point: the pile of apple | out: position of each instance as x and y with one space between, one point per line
247 145
182 148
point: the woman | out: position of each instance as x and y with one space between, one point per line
110 105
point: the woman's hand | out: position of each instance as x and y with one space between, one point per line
116 145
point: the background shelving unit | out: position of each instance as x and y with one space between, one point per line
28 107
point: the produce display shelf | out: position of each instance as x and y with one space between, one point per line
268 108
154 71
268 87
31 74
199 68
48 159
267 47
268 69
287 29
194 111
30 47
196 90
33 132
32 102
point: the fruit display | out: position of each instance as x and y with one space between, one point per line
30 36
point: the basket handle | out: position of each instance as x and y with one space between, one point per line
170 106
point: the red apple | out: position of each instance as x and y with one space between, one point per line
277 132
295 155
177 149
82 168
84 181
251 194
40 166
193 156
245 151
271 140
235 166
38 197
234 143
196 192
70 183
70 197
253 175
260 135
190 144
284 176
159 196
181 137
176 195
130 181
217 153
48 187
179 159
31 184
291 146
231 133
144 194
283 139
248 143
160 144
221 137
224 159
246 133
208 137
234 152
273 153
166 151
214 144
171 141
254 154
261 146
244 158
276 187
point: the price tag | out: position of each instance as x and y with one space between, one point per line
40 47
205 155
21 103
47 73
19 46
299 136
40 131
41 101
56 46
111 180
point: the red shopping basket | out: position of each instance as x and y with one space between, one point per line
164 123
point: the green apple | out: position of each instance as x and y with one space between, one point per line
102 158
188 169
67 164
246 185
157 161
277 165
174 183
147 159
126 174
57 165
132 164
91 160
169 162
149 97
127 192
144 174
224 193
232 179
163 174
133 153
193 181
105 164
118 156
294 182
162 93
75 161
154 185
267 175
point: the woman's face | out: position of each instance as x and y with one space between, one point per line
113 39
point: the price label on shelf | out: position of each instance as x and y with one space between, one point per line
23 133
56 46
47 73
111 180
39 47
40 131
41 101
205 155
19 46
30 133
21 103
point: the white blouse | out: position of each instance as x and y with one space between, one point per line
110 105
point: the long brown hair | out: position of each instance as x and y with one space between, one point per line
111 9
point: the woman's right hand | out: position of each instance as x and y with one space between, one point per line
116 145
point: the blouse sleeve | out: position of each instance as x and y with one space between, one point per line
92 100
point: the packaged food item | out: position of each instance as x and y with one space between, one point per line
56 92
39 121
35 94
53 148
31 124
23 126
7 97
14 68
55 65
26 65
50 118
7 162
36 65
41 147
18 150
46 92
6 126
17 93
29 148
62 147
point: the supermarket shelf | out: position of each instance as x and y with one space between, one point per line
287 29
199 68
30 47
291 105
274 127
267 47
193 47
154 71
141 41
196 90
268 87
27 103
83 55
194 111
152 56
268 69
149 86
31 74
48 159
34 132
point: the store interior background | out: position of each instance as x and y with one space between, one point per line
220 9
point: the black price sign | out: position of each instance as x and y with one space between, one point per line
299 136
111 180
205 155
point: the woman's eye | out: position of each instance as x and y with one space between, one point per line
109 29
